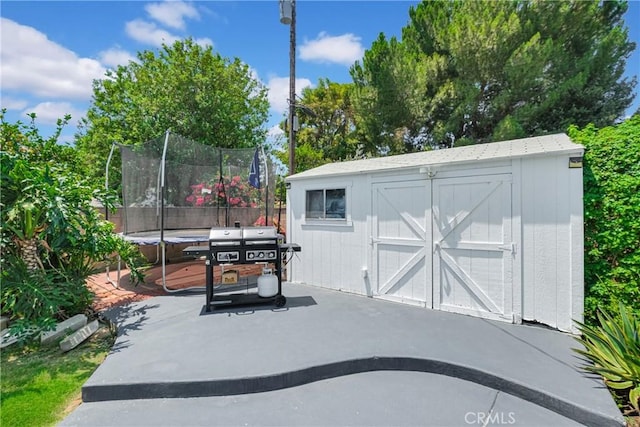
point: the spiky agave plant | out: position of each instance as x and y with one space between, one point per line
613 347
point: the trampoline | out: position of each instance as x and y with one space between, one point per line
174 190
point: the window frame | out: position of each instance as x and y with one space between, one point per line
323 209
336 222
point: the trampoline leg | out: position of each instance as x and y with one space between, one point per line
164 276
158 254
119 271
115 284
164 270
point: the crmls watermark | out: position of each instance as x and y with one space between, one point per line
490 418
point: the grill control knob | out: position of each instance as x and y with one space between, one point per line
261 254
250 255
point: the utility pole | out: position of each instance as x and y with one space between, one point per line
288 17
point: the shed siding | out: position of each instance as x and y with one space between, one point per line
577 247
549 199
517 233
334 252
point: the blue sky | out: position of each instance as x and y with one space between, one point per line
50 51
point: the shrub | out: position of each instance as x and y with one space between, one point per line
35 299
51 235
613 347
235 192
611 215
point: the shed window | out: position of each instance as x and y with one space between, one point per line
326 204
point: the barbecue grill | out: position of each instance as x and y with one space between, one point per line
248 245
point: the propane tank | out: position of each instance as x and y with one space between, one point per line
267 283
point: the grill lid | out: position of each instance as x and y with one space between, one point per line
258 233
222 236
260 236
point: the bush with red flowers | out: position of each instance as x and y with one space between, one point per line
236 192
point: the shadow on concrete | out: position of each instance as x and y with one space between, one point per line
292 302
127 318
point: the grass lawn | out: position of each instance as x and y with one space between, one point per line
39 386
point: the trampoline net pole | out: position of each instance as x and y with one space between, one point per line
106 215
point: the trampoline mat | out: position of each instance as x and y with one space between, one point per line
152 237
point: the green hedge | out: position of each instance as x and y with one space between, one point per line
611 215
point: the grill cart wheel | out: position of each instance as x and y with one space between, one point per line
281 300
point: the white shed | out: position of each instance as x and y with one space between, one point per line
492 230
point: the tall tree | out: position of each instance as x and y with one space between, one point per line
481 71
326 125
183 87
389 97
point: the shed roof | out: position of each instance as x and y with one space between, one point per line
535 146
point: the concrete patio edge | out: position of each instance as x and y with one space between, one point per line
266 383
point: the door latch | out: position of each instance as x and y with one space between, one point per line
509 248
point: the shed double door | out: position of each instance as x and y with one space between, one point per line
445 244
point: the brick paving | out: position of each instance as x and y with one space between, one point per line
178 276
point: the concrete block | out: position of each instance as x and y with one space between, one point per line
75 339
63 328
4 323
6 339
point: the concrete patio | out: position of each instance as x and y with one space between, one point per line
175 364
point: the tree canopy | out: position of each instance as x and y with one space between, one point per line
184 87
482 71
326 125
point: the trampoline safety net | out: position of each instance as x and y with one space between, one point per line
173 183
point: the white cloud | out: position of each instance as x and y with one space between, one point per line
276 139
279 92
253 73
115 56
211 13
32 63
172 13
13 103
204 42
48 113
149 33
344 49
275 132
